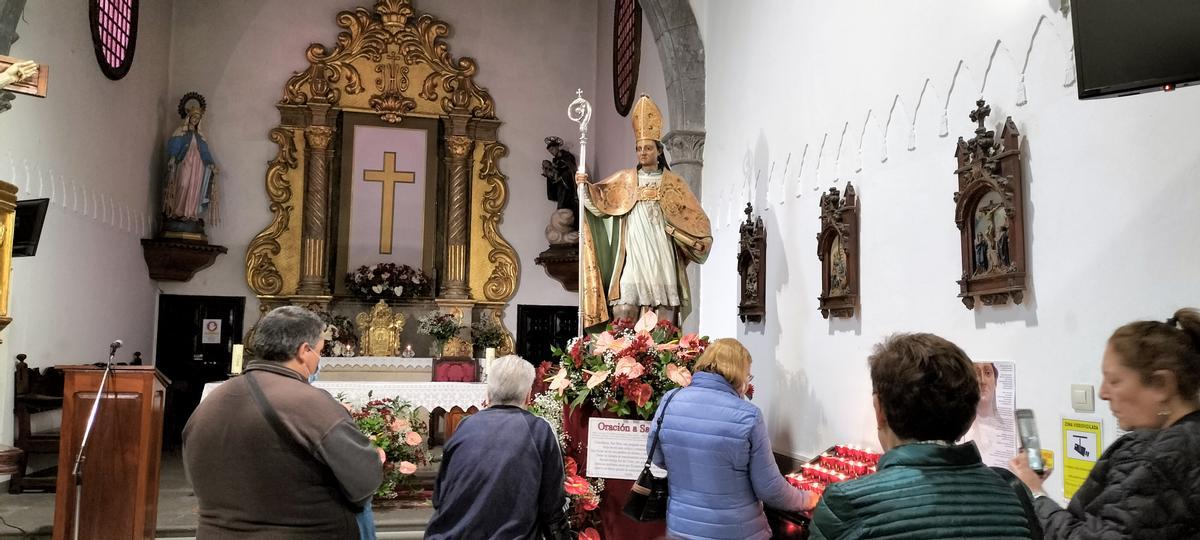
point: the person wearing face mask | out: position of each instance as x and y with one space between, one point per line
269 455
1147 483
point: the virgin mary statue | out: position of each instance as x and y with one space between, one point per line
643 227
190 191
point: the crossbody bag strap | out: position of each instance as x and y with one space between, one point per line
272 417
661 415
1018 487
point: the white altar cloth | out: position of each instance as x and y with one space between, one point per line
423 395
388 362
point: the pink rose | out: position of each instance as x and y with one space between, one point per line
629 367
407 468
413 438
399 424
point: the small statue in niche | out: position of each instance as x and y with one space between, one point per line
190 192
559 172
837 249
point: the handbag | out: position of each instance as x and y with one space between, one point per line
648 496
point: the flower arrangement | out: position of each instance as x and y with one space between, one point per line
388 281
393 425
439 326
486 333
583 494
627 368
341 338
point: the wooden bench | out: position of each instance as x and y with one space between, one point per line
37 391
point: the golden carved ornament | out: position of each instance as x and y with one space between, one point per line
458 145
380 329
457 346
318 136
367 36
502 281
262 274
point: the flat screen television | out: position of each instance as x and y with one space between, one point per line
28 228
1125 47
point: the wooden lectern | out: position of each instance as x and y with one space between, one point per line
120 474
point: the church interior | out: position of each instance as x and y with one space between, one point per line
838 172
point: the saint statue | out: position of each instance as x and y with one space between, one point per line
642 227
191 187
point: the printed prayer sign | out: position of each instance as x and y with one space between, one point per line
617 448
210 331
1081 449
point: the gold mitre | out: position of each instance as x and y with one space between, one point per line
647 120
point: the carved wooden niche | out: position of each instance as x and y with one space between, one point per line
837 248
752 267
990 213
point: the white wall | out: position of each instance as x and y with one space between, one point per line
612 134
877 93
532 55
93 147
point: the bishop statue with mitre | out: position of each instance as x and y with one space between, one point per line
642 227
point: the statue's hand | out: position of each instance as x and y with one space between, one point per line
581 178
19 71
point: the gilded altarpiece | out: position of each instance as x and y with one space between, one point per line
393 62
990 213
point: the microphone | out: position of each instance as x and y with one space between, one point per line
112 349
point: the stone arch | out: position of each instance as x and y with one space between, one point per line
682 53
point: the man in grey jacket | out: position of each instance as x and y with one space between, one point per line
270 456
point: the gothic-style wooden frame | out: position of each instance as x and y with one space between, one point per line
837 248
990 213
752 267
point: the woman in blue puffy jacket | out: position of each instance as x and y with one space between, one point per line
714 447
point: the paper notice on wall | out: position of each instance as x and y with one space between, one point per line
995 427
210 331
617 448
1081 449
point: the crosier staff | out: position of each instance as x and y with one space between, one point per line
580 112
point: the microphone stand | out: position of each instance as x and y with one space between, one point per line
77 470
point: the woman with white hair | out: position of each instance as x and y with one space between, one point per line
502 470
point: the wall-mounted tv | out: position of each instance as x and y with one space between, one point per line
28 227
1125 47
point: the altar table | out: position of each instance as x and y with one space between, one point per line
423 395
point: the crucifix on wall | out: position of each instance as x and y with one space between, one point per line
388 177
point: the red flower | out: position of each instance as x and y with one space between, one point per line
589 503
750 390
622 324
640 394
577 485
570 467
589 534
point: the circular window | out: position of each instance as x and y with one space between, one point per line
114 34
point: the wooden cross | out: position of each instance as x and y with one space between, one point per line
980 113
388 177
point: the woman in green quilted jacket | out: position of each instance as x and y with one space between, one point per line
927 487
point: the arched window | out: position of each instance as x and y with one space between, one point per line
627 53
114 34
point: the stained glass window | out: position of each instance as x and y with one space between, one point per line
114 34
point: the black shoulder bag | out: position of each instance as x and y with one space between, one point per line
1035 525
648 496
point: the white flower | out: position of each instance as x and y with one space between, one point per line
377 289
397 291
385 275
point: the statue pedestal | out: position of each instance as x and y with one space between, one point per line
561 263
178 260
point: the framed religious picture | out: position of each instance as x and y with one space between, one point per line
752 268
837 248
387 205
990 213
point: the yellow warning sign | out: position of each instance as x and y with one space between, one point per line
1081 449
